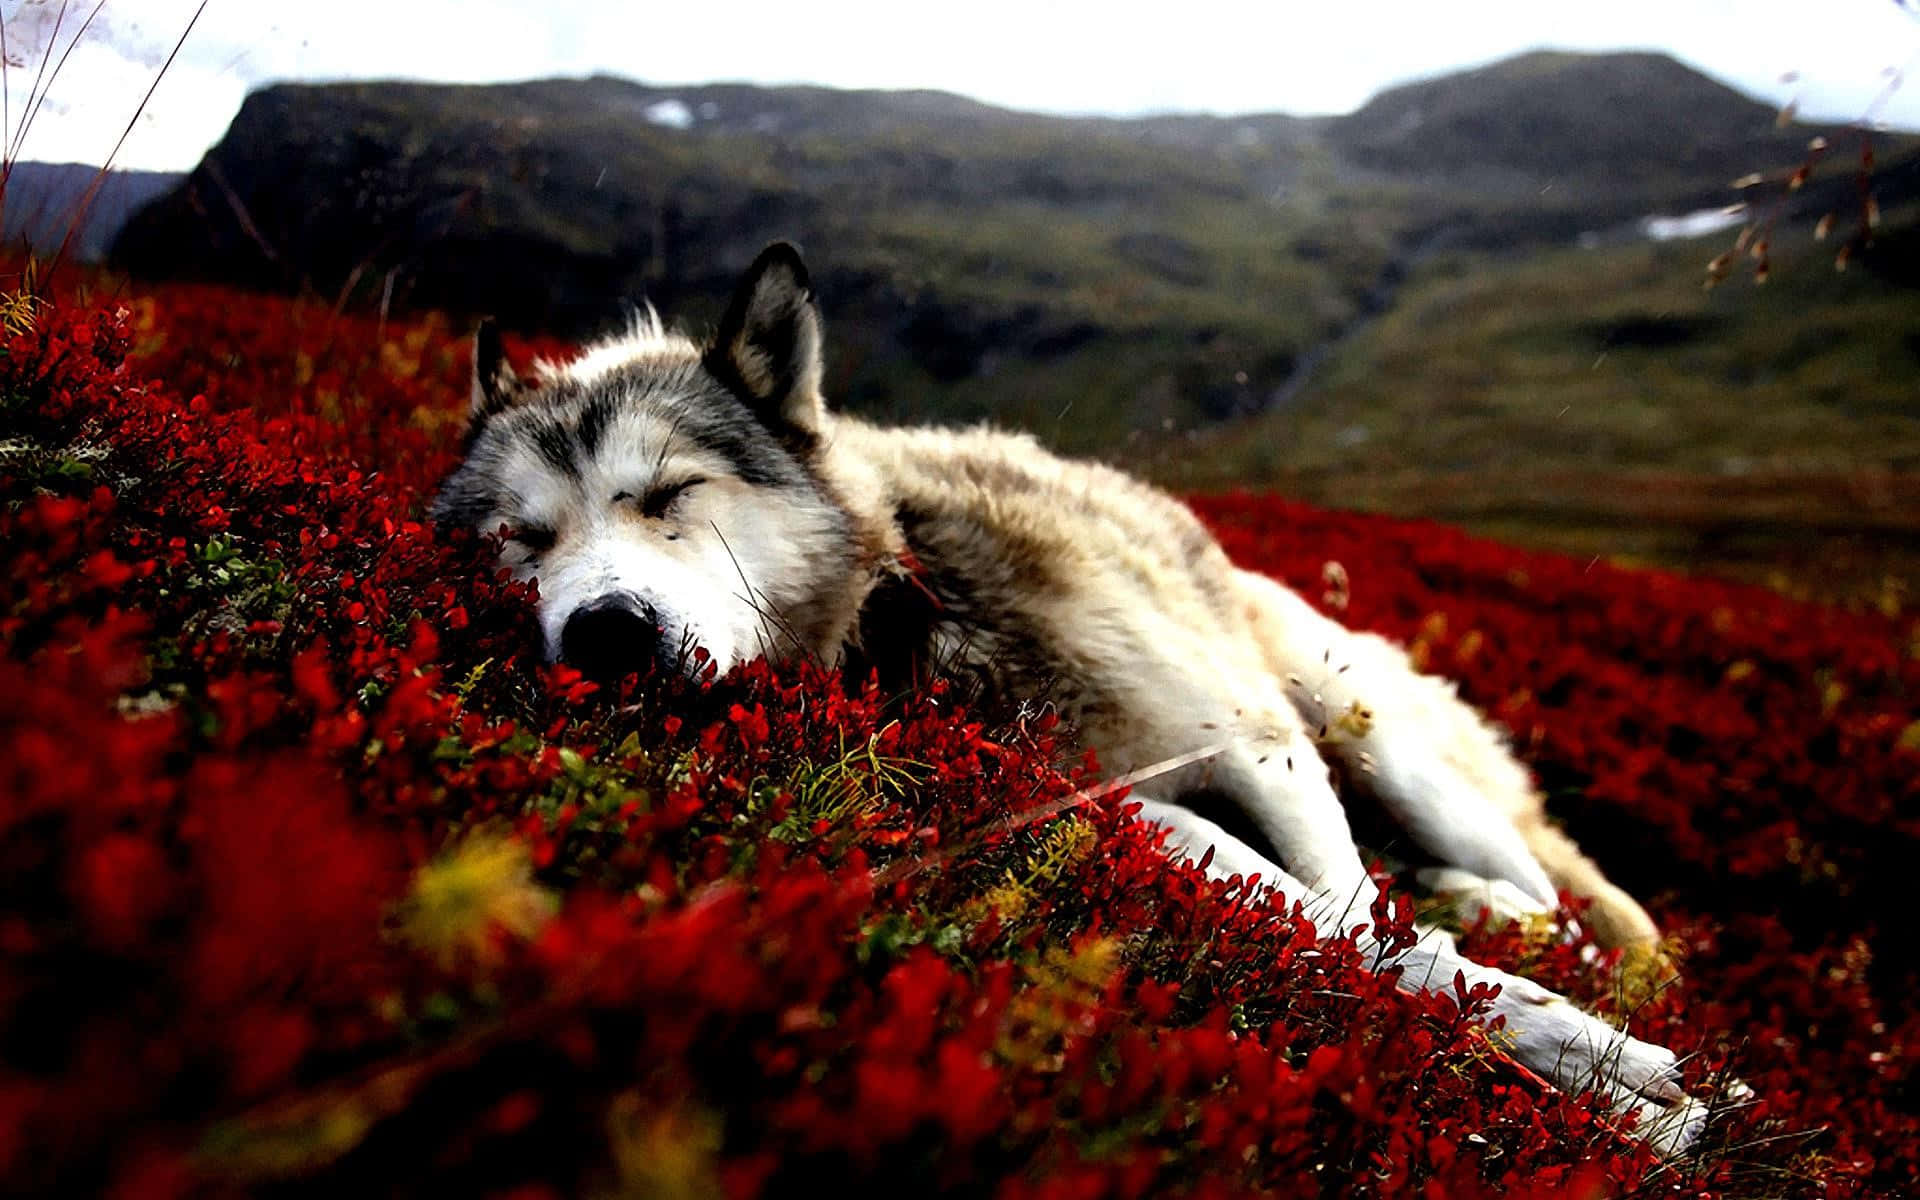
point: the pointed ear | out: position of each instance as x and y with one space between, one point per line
495 386
768 346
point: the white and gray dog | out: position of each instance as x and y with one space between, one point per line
670 495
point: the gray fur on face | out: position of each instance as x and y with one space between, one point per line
567 423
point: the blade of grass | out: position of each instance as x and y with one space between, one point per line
44 80
6 102
93 189
46 56
42 84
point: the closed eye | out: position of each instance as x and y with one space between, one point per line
534 539
659 500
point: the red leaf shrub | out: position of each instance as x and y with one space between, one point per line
316 880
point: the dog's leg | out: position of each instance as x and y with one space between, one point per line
1543 1031
1434 763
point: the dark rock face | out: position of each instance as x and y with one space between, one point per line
469 201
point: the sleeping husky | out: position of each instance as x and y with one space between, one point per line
671 496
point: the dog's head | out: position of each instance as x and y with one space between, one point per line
664 494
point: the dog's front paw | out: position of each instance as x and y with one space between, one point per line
1673 1129
1580 1052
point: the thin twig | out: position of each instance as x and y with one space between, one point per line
904 868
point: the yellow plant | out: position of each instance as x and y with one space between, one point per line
664 1152
460 903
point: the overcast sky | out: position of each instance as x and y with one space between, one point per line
1191 55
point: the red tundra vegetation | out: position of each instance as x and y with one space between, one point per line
316 881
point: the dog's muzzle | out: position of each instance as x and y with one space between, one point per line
610 638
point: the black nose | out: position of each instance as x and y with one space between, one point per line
610 638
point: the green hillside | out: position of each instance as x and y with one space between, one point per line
1603 400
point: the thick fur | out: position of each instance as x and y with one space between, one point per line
810 533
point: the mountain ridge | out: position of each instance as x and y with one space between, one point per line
978 261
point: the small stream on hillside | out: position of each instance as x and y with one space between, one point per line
1413 251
